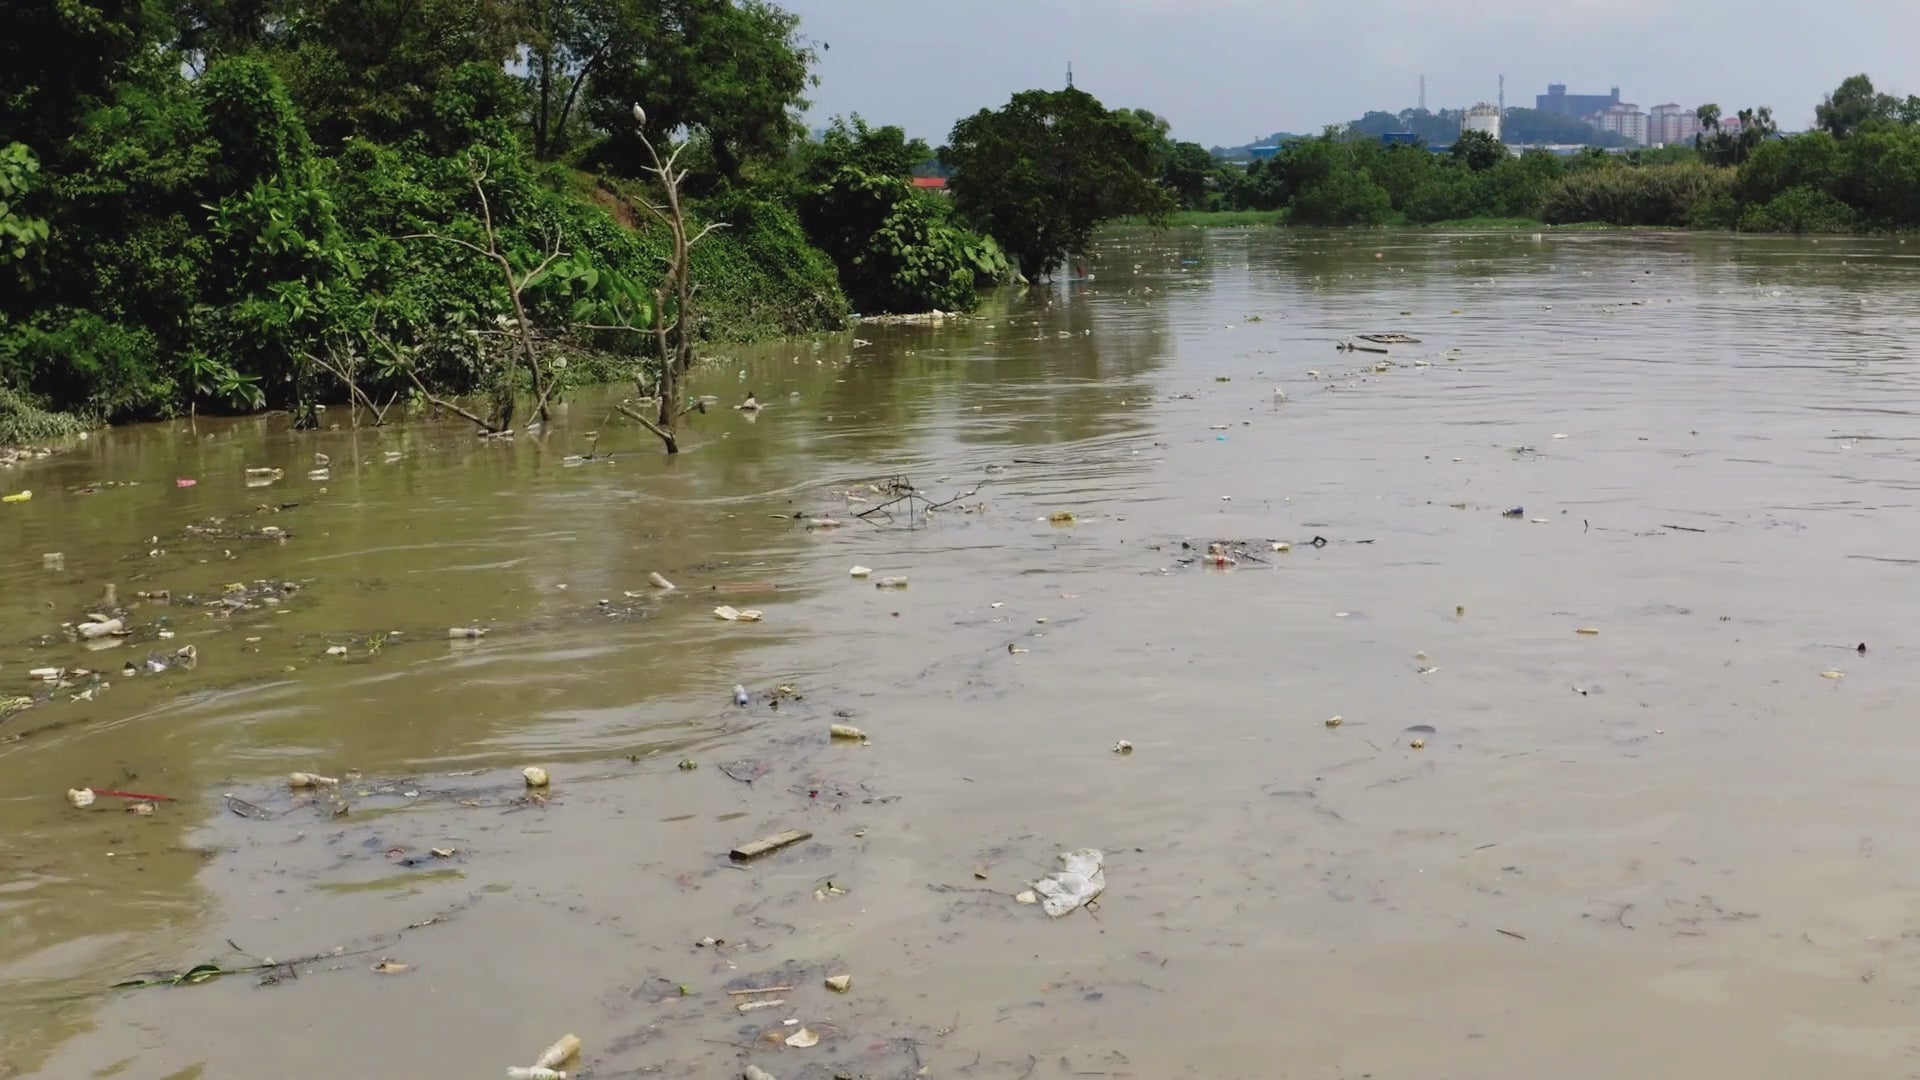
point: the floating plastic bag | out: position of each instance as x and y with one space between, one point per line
1082 877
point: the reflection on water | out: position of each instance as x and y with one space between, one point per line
1676 828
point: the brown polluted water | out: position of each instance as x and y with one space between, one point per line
1677 846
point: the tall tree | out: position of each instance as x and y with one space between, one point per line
58 59
853 143
372 67
733 71
1853 103
1187 172
1042 172
1478 150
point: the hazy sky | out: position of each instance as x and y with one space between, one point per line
1225 71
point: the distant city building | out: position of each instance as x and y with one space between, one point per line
1624 120
1557 100
1399 138
1671 125
1262 153
1482 117
936 184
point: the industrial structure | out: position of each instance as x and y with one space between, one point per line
1557 100
1482 117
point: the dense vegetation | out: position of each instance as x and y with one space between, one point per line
273 203
243 204
1860 170
215 202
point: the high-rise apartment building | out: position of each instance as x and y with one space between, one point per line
1624 120
1671 125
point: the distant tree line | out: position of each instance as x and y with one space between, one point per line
1858 170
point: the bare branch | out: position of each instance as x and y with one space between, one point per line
542 268
702 234
634 414
405 364
475 248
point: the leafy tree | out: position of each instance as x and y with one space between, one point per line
1042 172
568 43
897 249
373 67
1852 104
19 232
1329 182
734 72
852 143
1532 126
57 60
1187 173
1478 150
1720 146
1376 124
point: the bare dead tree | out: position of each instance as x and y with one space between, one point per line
541 380
673 339
402 362
343 361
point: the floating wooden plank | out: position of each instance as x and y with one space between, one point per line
770 844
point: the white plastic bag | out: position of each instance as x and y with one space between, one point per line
1082 877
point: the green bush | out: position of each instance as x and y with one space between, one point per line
85 363
1801 209
1657 195
23 421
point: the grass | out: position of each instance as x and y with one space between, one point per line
1489 223
1214 219
22 421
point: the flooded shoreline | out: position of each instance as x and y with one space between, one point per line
1681 829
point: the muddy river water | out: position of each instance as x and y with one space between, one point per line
1681 846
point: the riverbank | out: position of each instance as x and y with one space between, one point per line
1240 219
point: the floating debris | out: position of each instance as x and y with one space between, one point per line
535 776
1082 877
769 844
